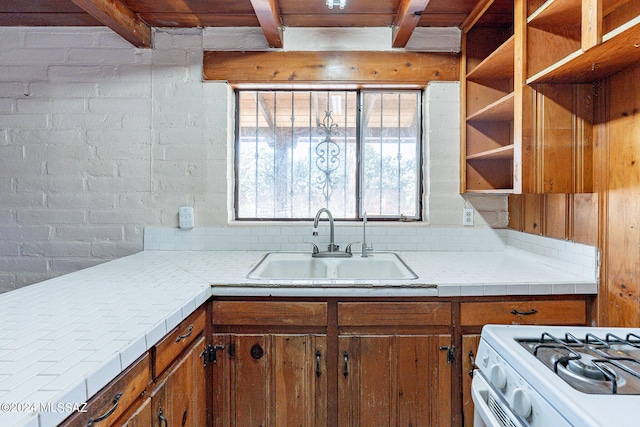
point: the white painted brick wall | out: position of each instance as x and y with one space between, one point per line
99 139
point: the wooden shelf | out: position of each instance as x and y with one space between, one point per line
557 13
505 152
492 191
501 110
498 65
565 12
616 52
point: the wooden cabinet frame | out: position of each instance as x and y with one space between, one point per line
171 375
413 353
387 341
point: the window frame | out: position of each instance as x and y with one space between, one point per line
360 91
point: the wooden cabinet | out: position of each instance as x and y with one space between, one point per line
399 379
332 363
270 380
167 383
180 398
318 362
468 354
117 398
270 363
393 363
141 415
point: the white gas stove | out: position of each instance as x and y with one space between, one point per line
557 376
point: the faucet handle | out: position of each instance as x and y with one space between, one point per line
315 247
348 248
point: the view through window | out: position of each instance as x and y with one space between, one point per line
350 151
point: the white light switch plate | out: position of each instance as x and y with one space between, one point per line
185 217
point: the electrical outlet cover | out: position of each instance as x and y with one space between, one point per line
467 216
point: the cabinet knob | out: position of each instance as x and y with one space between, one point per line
257 352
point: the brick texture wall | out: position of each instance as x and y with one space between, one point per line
99 139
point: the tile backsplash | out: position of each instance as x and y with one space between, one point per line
384 238
298 238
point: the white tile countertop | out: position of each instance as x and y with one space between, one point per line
62 340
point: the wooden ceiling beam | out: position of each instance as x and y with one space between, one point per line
117 16
268 13
409 13
330 67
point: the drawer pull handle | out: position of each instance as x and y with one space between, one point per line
345 372
523 313
107 414
189 332
473 363
318 370
162 419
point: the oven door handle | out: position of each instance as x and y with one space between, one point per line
480 391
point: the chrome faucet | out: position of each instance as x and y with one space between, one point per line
332 246
365 248
333 250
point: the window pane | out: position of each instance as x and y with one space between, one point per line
296 152
391 153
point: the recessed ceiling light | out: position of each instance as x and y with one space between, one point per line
340 3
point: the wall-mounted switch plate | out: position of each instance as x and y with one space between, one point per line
185 217
467 216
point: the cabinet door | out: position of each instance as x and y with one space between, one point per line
270 380
141 417
469 353
394 380
180 399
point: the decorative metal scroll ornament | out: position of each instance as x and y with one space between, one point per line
328 159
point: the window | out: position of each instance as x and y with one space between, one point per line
350 151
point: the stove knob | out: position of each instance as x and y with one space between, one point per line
498 377
521 403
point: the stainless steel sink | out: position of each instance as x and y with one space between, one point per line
291 265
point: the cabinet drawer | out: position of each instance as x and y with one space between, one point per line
270 313
564 312
118 396
393 313
180 338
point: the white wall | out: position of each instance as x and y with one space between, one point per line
99 139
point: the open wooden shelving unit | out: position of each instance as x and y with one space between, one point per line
588 45
528 73
488 103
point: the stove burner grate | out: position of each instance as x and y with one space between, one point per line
592 365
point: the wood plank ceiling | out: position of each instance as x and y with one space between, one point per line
133 19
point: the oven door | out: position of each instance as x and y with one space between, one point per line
490 409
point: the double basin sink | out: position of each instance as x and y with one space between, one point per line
302 266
